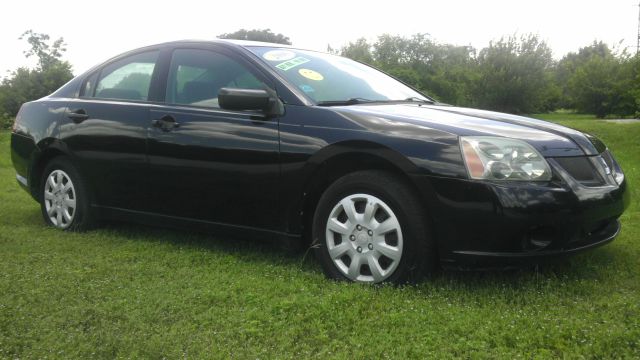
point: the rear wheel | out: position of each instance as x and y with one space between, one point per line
370 227
65 203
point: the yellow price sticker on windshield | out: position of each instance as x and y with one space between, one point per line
310 74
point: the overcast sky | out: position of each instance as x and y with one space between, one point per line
98 30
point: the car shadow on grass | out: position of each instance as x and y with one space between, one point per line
595 265
256 250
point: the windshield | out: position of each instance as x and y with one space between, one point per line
329 78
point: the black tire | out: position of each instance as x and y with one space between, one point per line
82 217
418 253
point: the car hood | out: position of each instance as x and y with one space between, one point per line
551 140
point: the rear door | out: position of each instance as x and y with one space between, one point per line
107 131
208 163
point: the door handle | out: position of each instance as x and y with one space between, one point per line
78 115
165 123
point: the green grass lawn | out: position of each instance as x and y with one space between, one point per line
567 115
564 116
130 291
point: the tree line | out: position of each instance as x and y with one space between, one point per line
515 74
25 84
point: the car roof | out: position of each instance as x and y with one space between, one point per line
240 43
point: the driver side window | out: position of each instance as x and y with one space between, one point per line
196 76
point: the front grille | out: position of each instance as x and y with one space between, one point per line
581 169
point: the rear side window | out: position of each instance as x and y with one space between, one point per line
89 86
196 76
126 79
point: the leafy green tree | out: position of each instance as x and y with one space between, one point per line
635 78
25 84
570 62
515 74
441 70
360 50
599 81
408 59
265 35
48 54
392 51
454 74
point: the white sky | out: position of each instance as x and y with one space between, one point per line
98 30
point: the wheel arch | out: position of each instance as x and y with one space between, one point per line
48 149
340 159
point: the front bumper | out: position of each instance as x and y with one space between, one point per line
482 223
590 241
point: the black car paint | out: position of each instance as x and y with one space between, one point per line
250 173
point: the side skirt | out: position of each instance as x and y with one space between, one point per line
180 223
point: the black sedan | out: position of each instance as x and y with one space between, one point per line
254 139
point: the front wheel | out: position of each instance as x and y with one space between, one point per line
370 227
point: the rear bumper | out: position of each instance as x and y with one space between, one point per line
479 223
23 155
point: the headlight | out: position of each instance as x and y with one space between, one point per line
497 158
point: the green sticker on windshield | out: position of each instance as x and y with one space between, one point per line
290 64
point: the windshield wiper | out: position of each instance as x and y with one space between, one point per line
356 100
350 101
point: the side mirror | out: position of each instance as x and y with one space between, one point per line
245 99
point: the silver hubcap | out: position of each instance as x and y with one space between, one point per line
364 238
60 199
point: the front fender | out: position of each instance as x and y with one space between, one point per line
311 139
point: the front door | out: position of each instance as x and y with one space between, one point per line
208 163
